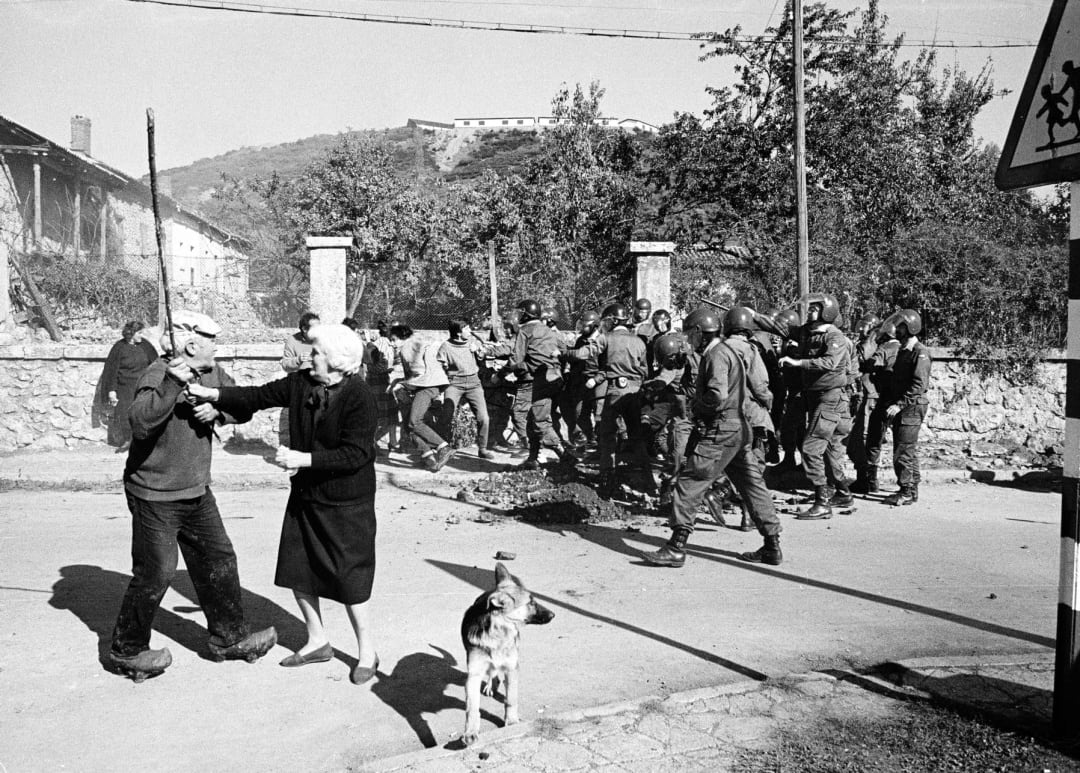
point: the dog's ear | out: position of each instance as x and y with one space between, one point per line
501 601
502 574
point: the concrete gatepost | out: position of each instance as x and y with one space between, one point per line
652 272
327 255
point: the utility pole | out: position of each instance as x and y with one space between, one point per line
803 247
493 284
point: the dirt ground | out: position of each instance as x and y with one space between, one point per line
970 570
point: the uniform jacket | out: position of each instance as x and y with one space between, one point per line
535 352
880 368
336 425
826 356
865 351
911 376
721 389
170 452
760 398
583 361
622 355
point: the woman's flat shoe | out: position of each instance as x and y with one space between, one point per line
361 674
320 655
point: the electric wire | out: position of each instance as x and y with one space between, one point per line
548 29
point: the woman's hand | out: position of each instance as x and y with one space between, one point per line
197 393
291 460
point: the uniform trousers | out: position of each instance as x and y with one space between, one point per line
711 453
156 530
905 426
619 403
828 426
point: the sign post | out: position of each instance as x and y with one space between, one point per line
1043 146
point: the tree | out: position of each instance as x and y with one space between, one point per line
902 209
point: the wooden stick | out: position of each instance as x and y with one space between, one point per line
157 226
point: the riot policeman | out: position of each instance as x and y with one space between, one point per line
907 404
719 443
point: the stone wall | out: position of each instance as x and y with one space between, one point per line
47 397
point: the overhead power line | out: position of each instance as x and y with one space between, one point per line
548 29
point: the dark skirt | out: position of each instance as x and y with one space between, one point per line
386 407
328 551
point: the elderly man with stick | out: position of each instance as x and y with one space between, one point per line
167 485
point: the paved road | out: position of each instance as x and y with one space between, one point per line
970 571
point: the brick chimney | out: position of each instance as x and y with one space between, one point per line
80 134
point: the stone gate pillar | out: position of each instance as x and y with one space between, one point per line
652 272
327 255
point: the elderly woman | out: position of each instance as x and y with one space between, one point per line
127 360
327 547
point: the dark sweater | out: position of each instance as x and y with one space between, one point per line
170 450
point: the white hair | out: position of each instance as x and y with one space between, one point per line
342 347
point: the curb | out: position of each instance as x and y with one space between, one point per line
499 735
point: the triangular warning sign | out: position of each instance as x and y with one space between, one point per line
1043 145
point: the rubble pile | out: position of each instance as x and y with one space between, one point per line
543 496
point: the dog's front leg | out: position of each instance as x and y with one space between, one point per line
472 706
510 691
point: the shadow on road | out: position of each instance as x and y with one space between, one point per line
482 579
417 687
94 594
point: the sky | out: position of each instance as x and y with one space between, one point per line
218 81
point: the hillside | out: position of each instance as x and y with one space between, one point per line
425 153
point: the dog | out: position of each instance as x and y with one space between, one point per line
491 631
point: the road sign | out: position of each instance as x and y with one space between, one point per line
1043 145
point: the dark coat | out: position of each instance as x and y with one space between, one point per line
338 432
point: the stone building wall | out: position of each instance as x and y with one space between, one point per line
47 397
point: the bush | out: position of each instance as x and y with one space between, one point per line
107 292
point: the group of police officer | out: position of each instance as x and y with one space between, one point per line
717 402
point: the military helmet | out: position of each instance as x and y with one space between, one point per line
668 345
618 312
590 317
530 309
643 303
830 307
704 319
739 318
886 330
908 317
866 323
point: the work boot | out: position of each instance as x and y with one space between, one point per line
907 495
673 553
769 553
442 456
871 479
842 495
820 509
140 667
250 648
567 454
532 463
747 523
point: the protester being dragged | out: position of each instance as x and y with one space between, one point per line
167 485
124 364
458 359
327 546
864 399
422 385
584 386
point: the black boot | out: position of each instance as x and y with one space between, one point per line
769 553
146 664
907 495
747 523
673 553
820 509
871 479
862 481
842 495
